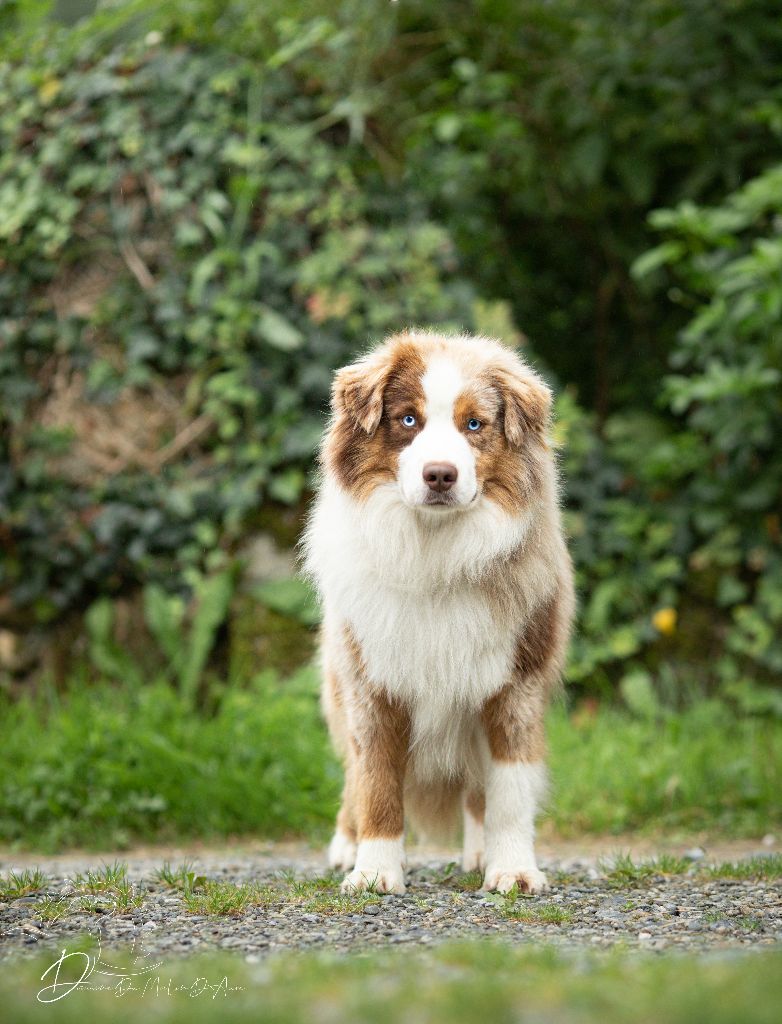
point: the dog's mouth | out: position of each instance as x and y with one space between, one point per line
435 500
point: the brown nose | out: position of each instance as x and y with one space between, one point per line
440 476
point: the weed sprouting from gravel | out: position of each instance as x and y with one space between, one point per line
52 908
223 898
622 870
175 877
341 902
759 868
21 883
471 881
533 912
323 895
104 879
670 864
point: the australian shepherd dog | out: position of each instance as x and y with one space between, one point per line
437 548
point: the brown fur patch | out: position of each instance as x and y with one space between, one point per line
508 472
514 717
366 435
526 404
379 745
475 802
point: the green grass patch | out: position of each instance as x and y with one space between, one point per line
106 878
225 898
319 895
52 908
21 883
104 767
107 888
453 984
534 912
180 876
514 906
701 769
622 870
670 864
765 868
470 881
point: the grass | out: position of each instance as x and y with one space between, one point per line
471 881
107 889
340 902
702 769
314 895
622 871
535 912
52 908
752 868
460 984
175 877
225 898
104 767
21 883
106 878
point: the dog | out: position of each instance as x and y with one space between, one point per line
436 545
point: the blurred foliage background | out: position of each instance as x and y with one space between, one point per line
206 207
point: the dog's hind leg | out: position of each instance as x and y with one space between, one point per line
342 848
474 810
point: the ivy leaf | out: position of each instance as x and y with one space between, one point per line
279 332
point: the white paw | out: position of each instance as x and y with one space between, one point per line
500 879
379 880
342 852
473 860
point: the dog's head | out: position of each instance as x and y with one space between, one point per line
447 421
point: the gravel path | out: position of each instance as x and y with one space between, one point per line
289 904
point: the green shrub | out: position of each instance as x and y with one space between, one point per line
205 207
727 387
189 248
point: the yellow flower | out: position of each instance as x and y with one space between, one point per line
664 621
49 89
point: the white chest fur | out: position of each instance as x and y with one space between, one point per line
407 589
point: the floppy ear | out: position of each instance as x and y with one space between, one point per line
358 390
526 404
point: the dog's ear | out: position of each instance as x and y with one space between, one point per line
526 402
358 390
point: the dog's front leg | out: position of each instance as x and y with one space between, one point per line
380 736
515 781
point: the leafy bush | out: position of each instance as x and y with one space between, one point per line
727 262
188 249
205 207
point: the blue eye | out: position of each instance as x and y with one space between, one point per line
474 424
408 421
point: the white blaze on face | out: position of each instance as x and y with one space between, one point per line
440 441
